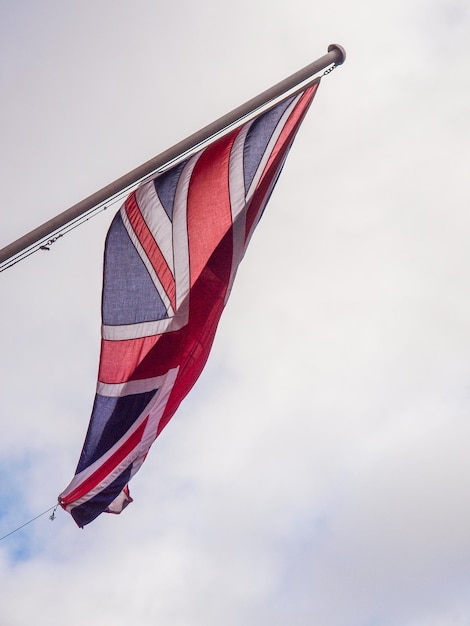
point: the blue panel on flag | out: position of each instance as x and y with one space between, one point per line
126 273
258 138
110 420
165 186
85 513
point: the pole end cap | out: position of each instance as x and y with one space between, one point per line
341 51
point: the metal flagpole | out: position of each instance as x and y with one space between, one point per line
289 86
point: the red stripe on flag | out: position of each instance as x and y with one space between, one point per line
209 213
208 300
151 248
107 467
119 359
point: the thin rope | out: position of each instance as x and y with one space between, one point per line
51 517
46 243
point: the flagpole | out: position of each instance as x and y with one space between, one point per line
298 81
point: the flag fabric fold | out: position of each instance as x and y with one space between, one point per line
171 256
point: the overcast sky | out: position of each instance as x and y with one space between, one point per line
319 471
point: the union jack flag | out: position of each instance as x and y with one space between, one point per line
171 256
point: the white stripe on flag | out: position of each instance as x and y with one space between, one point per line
129 388
237 202
156 219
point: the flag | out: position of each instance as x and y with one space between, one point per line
171 255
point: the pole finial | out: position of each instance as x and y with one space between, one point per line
341 51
